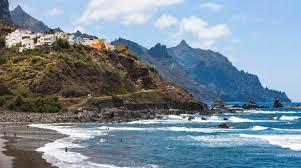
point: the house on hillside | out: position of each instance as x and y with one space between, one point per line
88 42
110 46
67 36
25 39
27 43
46 39
15 38
99 44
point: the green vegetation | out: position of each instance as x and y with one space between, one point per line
62 44
133 56
73 93
2 42
74 71
31 103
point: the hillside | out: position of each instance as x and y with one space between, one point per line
77 71
206 74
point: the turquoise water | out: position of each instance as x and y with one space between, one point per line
265 138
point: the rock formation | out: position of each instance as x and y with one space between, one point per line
21 18
206 74
4 12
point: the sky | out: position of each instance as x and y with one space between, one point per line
261 37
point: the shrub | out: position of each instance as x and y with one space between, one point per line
4 90
73 93
5 99
133 56
38 104
62 44
2 43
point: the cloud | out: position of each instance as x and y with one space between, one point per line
135 19
128 11
55 12
204 36
165 21
212 6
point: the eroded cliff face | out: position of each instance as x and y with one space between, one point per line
4 11
206 74
20 18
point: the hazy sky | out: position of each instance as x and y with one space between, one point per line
259 36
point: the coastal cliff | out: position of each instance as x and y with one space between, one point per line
208 75
74 72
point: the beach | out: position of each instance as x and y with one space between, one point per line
18 146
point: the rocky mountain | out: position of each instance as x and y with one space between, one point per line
58 30
83 35
4 12
206 74
21 18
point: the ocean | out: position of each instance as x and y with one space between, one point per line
256 138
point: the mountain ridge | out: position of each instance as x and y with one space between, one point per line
208 75
4 12
21 18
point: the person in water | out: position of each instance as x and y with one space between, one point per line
66 149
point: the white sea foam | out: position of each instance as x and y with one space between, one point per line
142 122
229 140
289 118
271 112
205 119
55 154
259 128
177 117
203 130
94 165
237 119
287 130
124 128
174 129
289 141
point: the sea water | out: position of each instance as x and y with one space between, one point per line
256 138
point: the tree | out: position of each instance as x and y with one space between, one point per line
2 43
62 43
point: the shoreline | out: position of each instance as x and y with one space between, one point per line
18 148
20 144
5 161
91 115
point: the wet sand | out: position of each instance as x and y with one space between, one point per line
20 144
5 161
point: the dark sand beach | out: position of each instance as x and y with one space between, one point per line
18 146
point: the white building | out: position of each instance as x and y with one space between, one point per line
71 39
61 35
28 40
78 40
17 37
88 42
27 43
46 39
109 46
